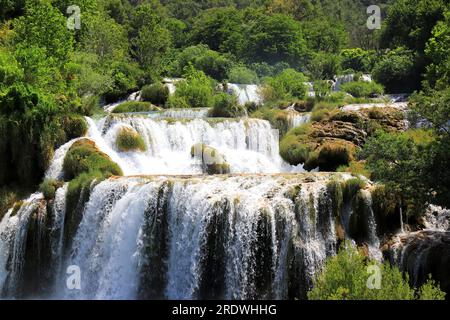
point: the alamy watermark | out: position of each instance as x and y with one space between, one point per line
74 20
374 20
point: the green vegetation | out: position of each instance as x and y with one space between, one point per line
49 187
156 93
362 89
226 106
84 157
348 276
287 85
135 106
129 140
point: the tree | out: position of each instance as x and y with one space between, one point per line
325 35
438 52
358 59
397 70
45 27
104 37
220 29
273 38
150 39
346 276
202 58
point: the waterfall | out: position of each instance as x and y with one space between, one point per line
248 145
374 241
236 237
246 92
189 113
297 119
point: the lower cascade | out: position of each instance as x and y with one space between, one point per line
176 237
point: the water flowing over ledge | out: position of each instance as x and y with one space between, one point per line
178 237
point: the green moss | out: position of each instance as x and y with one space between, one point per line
130 140
356 168
84 157
74 126
294 147
135 106
17 207
334 190
331 155
351 187
278 118
49 187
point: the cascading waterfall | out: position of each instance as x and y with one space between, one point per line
237 237
248 145
246 92
261 232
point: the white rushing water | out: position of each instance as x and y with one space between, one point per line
248 145
246 92
251 256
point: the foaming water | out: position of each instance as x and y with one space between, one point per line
248 145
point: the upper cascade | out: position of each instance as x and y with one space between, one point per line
247 145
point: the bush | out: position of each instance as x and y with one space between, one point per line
242 75
288 84
135 106
156 93
293 147
347 276
360 89
175 102
196 90
210 62
278 118
49 187
322 89
357 59
129 140
226 106
397 71
75 126
84 157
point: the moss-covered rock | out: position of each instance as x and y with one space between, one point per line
84 157
49 187
129 139
75 126
212 161
279 119
334 140
135 106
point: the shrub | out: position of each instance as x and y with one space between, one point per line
196 90
322 89
357 59
287 85
398 71
346 277
242 75
360 89
129 140
175 102
277 118
226 106
156 93
75 126
135 106
84 157
293 147
331 155
49 187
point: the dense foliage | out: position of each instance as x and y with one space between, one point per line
351 276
